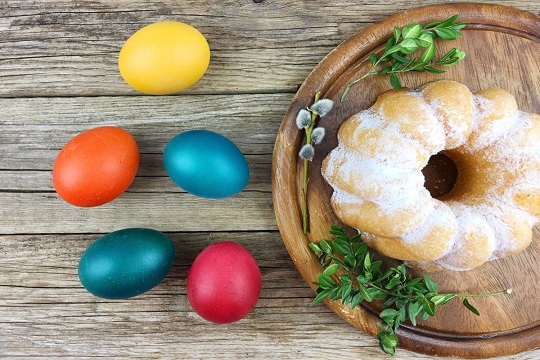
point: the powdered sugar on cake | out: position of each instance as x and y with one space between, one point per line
377 162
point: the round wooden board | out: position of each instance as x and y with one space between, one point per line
502 46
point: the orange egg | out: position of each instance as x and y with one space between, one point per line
96 166
164 58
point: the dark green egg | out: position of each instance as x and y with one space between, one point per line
126 263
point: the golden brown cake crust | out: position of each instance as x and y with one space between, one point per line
378 185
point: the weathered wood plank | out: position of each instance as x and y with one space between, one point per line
230 71
32 131
47 213
103 26
53 48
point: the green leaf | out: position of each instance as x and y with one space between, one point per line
325 281
411 31
431 284
428 54
386 275
362 279
439 300
350 260
388 312
401 303
459 26
365 293
356 239
376 293
331 270
390 340
367 262
402 314
396 66
411 284
376 266
408 46
425 40
399 58
325 247
383 331
460 54
393 49
373 59
389 302
345 279
443 23
357 299
470 307
390 43
335 294
428 306
413 310
359 249
448 56
394 81
336 230
342 247
448 22
346 292
397 33
410 64
447 34
369 275
387 341
321 296
384 70
388 315
388 349
315 248
394 282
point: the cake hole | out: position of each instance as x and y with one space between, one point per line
440 174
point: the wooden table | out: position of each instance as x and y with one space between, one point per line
59 76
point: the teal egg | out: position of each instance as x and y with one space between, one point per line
126 263
206 164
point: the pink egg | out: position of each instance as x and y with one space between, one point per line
224 282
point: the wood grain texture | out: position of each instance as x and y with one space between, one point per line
510 324
48 47
59 76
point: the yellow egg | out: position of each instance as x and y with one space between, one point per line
164 58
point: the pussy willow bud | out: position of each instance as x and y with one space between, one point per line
307 152
322 107
303 119
318 134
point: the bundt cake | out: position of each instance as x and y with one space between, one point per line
376 174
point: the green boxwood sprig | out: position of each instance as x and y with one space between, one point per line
351 274
400 48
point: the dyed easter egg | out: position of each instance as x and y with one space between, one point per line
206 164
224 282
164 58
126 263
96 166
